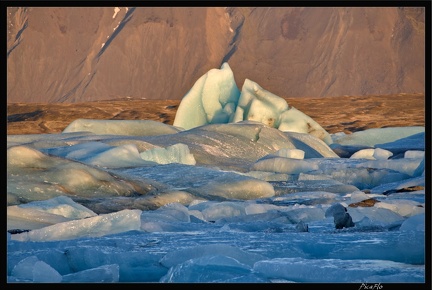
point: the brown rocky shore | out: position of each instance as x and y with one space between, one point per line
335 114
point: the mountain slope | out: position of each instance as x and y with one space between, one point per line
86 54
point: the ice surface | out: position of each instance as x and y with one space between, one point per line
100 154
237 145
414 223
262 199
121 221
405 208
406 166
30 219
38 214
284 165
121 127
335 270
393 187
205 182
414 154
138 254
102 274
374 136
411 142
31 269
245 258
290 153
214 268
177 153
372 154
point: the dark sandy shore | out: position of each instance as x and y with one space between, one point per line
335 114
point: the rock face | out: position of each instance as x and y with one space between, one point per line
85 54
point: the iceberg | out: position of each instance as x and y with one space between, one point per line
216 99
212 100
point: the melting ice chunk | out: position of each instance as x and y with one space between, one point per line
117 222
215 98
212 99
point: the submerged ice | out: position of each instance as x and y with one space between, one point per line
243 188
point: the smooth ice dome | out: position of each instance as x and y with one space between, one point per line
120 127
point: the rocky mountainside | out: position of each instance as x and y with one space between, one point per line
79 54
